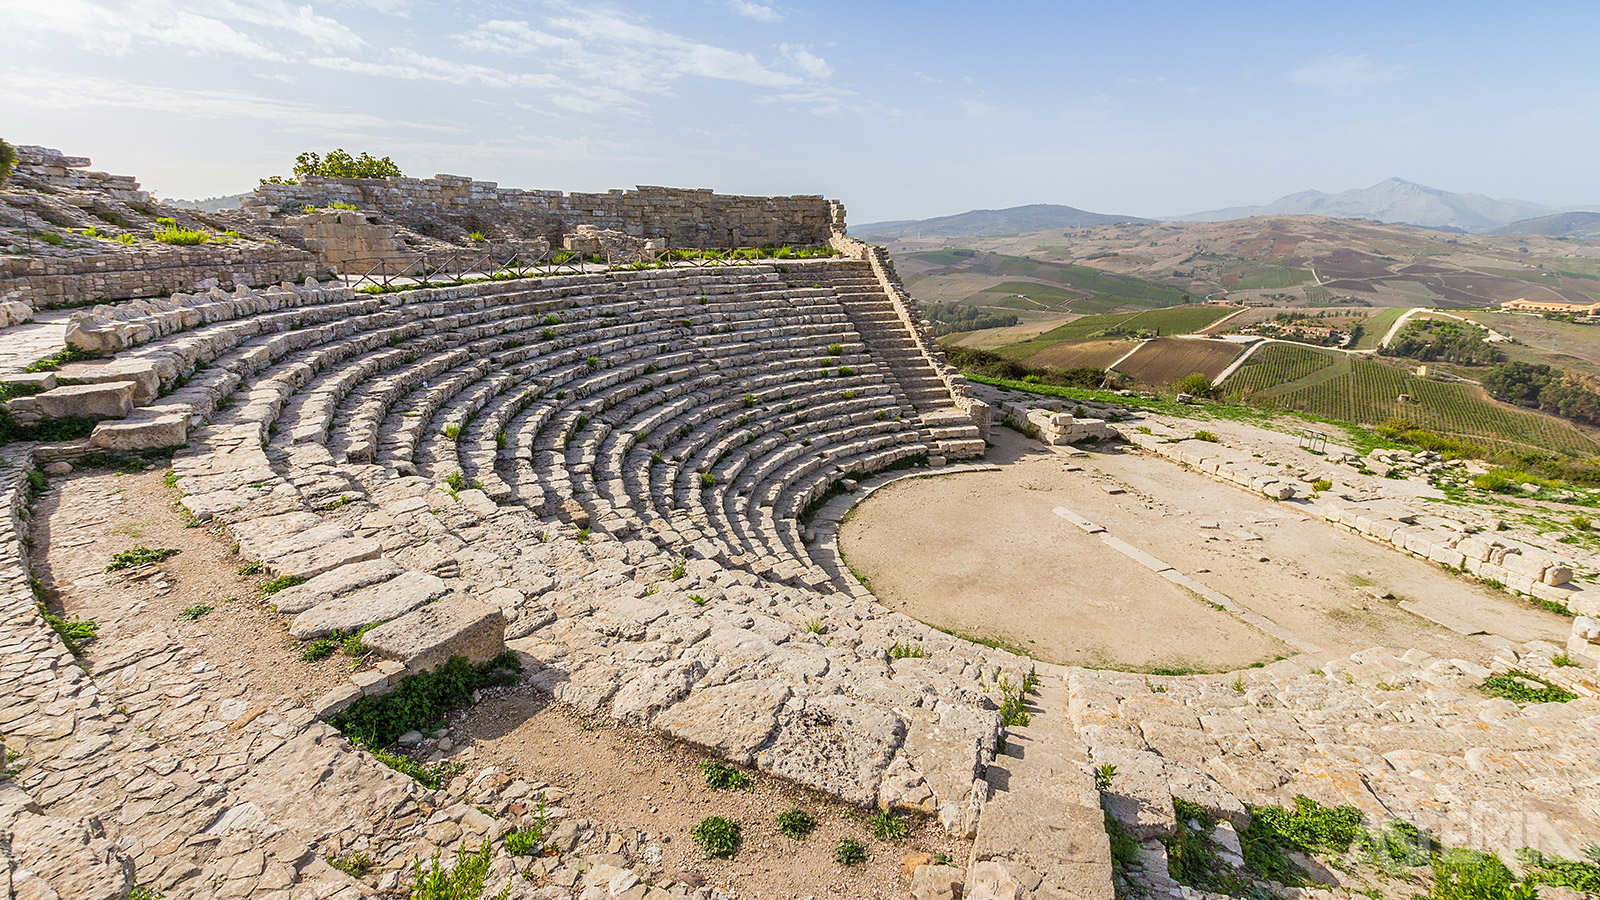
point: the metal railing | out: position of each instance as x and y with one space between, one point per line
454 267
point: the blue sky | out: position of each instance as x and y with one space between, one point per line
902 110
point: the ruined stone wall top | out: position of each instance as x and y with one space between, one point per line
683 217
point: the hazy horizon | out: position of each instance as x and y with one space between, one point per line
902 111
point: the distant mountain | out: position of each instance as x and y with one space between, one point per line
986 222
1395 201
210 204
1567 224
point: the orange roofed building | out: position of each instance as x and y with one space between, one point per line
1555 306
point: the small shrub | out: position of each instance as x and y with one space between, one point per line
139 556
718 836
74 632
1206 436
182 237
477 237
679 569
126 239
849 852
1473 875
462 881
721 777
194 612
816 626
453 432
455 481
1321 484
749 400
835 349
708 480
1581 523
697 600
1104 775
1563 660
846 371
886 826
796 824
525 842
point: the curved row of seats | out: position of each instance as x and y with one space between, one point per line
704 408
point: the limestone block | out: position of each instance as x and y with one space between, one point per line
992 880
153 433
731 720
936 883
112 400
1585 603
430 636
334 583
1558 574
314 561
1529 565
377 603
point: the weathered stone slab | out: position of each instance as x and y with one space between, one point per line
378 603
732 720
153 433
835 744
430 636
334 583
320 559
113 400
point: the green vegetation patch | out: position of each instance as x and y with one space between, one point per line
1522 687
377 720
1274 832
139 556
721 777
464 880
719 837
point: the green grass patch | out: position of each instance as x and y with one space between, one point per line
719 837
722 777
377 720
1522 687
139 556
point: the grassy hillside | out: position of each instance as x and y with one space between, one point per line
1352 389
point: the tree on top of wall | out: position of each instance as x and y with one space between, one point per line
338 164
8 161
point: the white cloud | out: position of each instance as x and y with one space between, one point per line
976 109
57 90
761 12
806 61
1343 74
118 27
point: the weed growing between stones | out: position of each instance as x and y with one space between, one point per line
431 777
718 836
796 824
849 852
907 650
356 865
1563 660
886 826
1206 436
721 777
375 721
194 613
144 893
1104 775
529 840
1521 688
281 582
462 881
680 568
138 556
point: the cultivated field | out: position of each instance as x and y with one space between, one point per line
1165 360
1174 320
1098 353
1353 389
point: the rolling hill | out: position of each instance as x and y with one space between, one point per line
1584 225
987 222
1395 201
